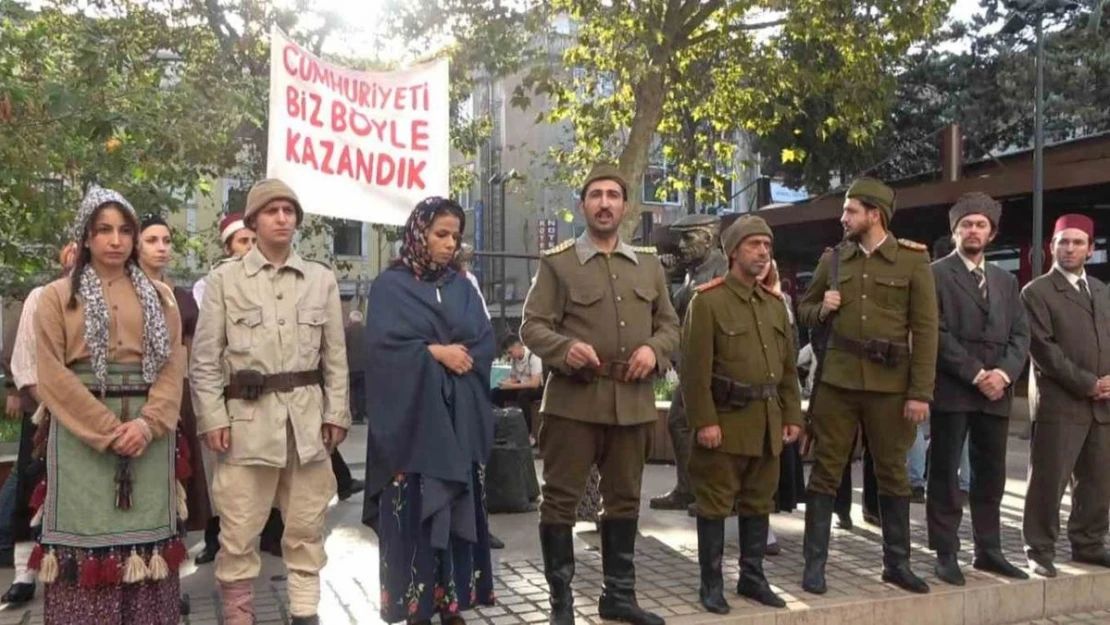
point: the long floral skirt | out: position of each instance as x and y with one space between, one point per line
148 603
417 580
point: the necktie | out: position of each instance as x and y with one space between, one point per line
1082 284
981 280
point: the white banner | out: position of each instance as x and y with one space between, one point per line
357 145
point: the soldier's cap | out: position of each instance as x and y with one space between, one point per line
742 228
695 222
604 171
975 203
270 190
875 193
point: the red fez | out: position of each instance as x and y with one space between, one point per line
230 225
1076 221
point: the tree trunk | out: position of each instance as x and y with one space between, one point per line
649 94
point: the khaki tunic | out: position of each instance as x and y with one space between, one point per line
614 302
272 320
888 295
60 342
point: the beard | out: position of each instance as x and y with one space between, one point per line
971 247
854 234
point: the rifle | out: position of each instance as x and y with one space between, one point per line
821 337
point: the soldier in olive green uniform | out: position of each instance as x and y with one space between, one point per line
879 371
599 316
742 397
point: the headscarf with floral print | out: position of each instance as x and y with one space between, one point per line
414 249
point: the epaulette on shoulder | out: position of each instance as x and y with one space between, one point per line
562 247
912 245
645 249
224 261
709 286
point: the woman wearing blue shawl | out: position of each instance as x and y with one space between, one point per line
431 348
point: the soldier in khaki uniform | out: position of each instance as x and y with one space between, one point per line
740 383
879 371
599 316
269 371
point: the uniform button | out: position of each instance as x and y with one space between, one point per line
614 276
622 350
620 299
119 342
764 346
114 307
280 296
772 377
281 322
863 318
864 276
622 324
864 297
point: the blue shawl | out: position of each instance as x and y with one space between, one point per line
424 419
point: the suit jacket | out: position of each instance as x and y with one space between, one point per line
1070 348
977 335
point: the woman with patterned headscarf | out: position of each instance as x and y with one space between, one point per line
111 364
431 426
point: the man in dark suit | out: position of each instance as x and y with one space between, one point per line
983 346
1069 315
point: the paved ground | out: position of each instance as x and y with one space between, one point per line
666 567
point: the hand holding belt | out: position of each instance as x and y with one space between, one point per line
250 384
615 370
879 351
730 394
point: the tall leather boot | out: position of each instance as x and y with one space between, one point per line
237 599
894 513
815 548
753 544
618 588
711 551
557 543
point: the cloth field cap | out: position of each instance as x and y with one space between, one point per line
697 221
269 190
975 203
231 224
1077 221
874 192
604 171
742 228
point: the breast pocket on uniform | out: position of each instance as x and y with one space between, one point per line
241 324
310 327
585 298
892 292
731 338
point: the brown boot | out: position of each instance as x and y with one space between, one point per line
238 602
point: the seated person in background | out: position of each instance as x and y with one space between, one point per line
525 382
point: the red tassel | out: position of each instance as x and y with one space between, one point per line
175 554
183 465
111 570
34 563
38 497
89 576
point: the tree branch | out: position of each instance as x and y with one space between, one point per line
739 28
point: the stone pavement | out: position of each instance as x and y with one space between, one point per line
668 573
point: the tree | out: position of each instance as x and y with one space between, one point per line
970 74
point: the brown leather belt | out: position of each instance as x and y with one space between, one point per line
879 351
728 393
614 370
119 391
251 384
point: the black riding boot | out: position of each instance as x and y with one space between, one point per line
894 513
815 548
753 544
618 588
711 551
557 542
